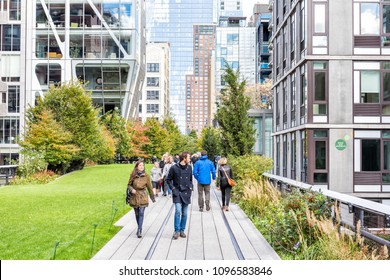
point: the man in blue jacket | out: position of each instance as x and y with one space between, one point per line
204 171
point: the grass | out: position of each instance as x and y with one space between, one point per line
33 218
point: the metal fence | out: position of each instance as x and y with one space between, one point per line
374 217
7 172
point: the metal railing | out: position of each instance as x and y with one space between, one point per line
6 173
374 217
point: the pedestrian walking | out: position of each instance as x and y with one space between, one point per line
204 171
167 167
224 172
138 183
180 181
156 176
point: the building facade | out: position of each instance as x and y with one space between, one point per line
100 42
235 46
155 94
172 21
12 77
331 94
199 85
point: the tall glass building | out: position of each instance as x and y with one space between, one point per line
172 21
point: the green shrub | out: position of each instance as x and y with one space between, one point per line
33 162
42 177
250 166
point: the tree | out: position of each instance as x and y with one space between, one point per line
116 124
48 138
72 108
237 130
260 95
158 137
138 137
210 141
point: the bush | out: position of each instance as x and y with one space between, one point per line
32 162
43 177
250 166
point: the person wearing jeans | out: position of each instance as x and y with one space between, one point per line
138 183
204 171
179 180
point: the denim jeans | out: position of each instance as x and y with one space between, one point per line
180 216
139 216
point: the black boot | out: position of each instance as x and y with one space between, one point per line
139 233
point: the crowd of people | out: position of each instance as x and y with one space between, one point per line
173 177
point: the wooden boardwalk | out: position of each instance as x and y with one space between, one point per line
211 235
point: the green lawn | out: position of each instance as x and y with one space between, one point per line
33 218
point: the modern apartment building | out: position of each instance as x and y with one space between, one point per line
199 86
47 42
235 46
172 21
155 93
331 94
11 82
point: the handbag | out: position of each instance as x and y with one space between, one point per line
128 195
231 182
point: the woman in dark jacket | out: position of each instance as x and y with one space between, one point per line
225 170
138 183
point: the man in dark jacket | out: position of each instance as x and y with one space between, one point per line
180 181
204 170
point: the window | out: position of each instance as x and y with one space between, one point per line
372 156
13 99
320 38
153 67
372 93
152 108
10 37
152 94
232 39
320 174
320 88
140 108
370 86
9 130
292 95
153 82
369 19
292 37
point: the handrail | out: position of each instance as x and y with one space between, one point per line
345 198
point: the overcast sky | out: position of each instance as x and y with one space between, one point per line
248 6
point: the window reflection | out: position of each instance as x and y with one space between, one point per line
369 15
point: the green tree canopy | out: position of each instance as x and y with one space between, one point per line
210 141
237 130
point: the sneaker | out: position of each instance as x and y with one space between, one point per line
201 209
226 208
208 207
182 234
176 235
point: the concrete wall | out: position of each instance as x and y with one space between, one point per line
340 27
341 162
340 92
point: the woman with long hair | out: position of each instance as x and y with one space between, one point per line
225 172
138 183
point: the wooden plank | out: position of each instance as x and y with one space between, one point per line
259 243
163 247
246 247
212 248
149 236
130 245
225 242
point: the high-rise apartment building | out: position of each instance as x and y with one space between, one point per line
172 21
155 94
199 85
48 42
262 18
235 46
331 94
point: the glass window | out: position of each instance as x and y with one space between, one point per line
13 99
319 18
386 19
386 86
370 155
369 19
320 177
153 67
152 95
386 153
370 87
320 147
320 86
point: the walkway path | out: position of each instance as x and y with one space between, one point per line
211 235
